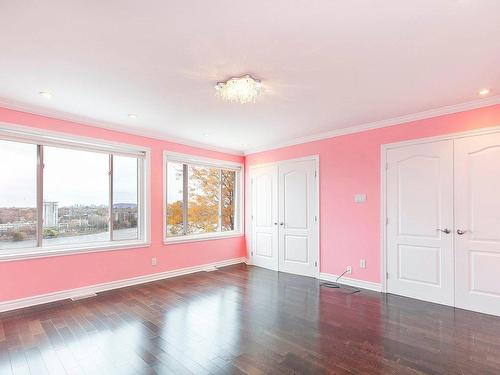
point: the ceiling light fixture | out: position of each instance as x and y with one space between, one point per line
46 94
484 92
241 90
132 115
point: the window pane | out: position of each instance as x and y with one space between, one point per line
76 196
175 191
228 179
203 199
17 195
125 197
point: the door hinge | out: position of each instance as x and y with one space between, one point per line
386 221
251 253
316 218
316 264
387 275
315 174
386 166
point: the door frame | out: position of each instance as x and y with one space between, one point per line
384 148
314 158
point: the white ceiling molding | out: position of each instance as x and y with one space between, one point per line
400 120
148 133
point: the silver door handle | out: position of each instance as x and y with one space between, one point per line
461 232
445 230
282 224
275 223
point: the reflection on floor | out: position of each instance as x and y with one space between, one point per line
244 319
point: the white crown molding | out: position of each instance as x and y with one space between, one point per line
147 133
479 103
83 292
376 287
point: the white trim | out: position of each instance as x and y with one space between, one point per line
201 160
20 133
159 135
239 168
369 285
124 129
444 137
400 120
383 218
316 158
97 288
383 183
202 237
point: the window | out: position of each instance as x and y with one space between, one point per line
61 194
202 198
18 208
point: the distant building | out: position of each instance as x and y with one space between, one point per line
50 215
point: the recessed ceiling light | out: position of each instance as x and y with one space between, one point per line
206 134
484 92
132 115
46 94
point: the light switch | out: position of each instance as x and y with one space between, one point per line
360 198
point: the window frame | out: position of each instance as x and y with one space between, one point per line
176 157
40 138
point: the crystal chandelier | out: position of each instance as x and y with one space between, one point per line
239 89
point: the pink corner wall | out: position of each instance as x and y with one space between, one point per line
350 164
25 278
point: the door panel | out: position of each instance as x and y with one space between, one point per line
477 211
419 203
297 205
264 246
295 199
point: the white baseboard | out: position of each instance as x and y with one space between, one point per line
351 282
93 289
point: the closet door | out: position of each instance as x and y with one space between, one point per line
477 215
297 218
419 199
264 216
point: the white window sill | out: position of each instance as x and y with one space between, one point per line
43 252
201 237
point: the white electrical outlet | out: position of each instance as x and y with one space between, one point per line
360 198
349 270
154 261
362 263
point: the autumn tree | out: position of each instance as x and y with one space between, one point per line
206 188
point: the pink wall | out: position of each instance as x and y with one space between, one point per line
350 164
26 278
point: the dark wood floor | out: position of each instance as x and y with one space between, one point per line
246 320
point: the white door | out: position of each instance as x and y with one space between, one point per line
477 213
264 241
420 257
297 218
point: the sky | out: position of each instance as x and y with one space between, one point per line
70 176
174 179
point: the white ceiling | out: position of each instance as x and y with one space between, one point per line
325 64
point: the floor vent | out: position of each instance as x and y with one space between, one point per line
84 296
210 269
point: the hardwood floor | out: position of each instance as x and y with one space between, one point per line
247 320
